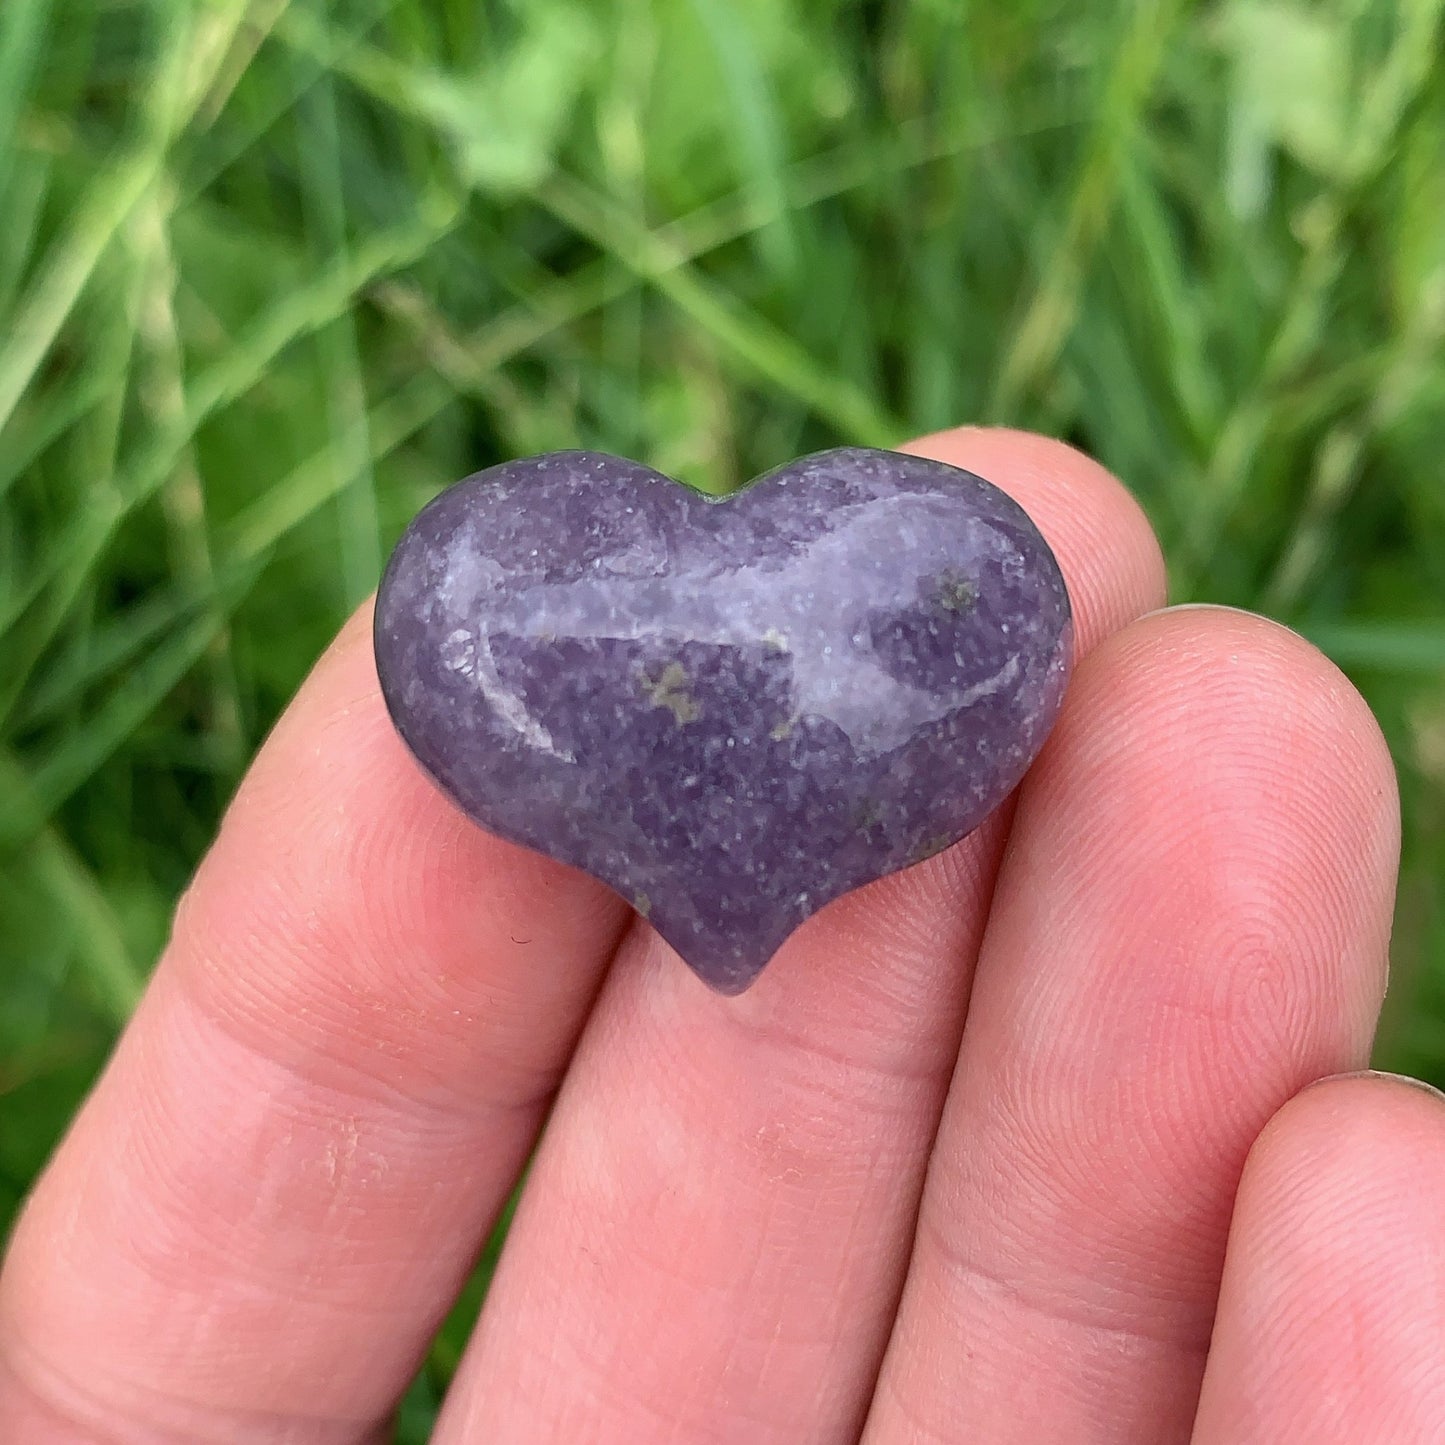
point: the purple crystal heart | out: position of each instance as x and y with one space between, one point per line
729 711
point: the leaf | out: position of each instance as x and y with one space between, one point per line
505 122
1291 91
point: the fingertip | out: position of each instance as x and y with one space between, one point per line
1352 1167
1219 701
1213 822
1354 1131
1333 1301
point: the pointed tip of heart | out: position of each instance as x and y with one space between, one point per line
728 961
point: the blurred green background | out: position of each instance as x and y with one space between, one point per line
271 274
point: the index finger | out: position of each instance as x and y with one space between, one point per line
342 1061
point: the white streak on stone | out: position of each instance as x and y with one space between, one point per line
508 706
468 576
842 683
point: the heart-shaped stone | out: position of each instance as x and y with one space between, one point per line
729 711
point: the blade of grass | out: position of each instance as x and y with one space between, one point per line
1051 311
247 132
1339 459
259 21
760 346
183 498
812 182
185 71
1393 646
334 289
244 543
36 432
755 342
22 42
104 958
468 369
310 485
297 315
324 205
96 440
78 898
97 657
24 200
1307 313
621 140
759 139
55 776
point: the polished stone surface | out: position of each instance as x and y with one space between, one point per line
730 711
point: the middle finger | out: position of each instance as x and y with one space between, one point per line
718 1221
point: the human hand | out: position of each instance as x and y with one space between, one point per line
961 1167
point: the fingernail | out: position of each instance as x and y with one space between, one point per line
1384 1076
1203 607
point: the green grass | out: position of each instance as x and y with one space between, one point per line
272 274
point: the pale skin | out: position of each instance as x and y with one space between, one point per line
1027 1144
